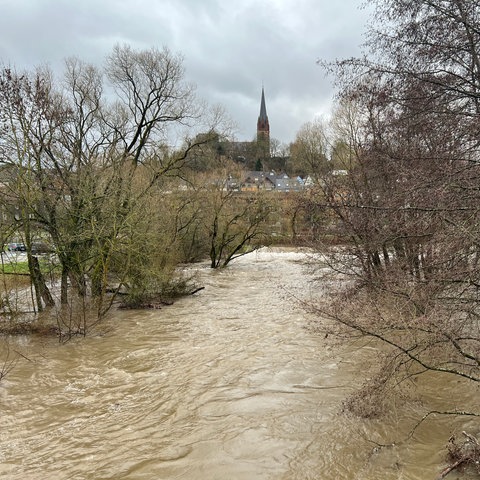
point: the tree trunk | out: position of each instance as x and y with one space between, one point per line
40 285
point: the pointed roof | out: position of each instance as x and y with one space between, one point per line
263 108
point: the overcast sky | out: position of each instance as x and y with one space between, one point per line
230 47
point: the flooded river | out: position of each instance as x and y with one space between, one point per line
228 384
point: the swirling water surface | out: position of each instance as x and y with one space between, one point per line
228 384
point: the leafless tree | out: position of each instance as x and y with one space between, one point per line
228 222
83 156
408 209
310 150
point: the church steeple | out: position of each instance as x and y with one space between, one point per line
263 127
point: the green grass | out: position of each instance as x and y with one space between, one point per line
21 268
18 268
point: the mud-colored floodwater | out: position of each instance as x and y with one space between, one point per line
228 384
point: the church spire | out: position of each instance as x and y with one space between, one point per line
263 127
263 108
263 134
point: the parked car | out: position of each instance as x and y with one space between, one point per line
17 247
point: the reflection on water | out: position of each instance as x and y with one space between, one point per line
226 384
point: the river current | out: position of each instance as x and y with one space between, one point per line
231 383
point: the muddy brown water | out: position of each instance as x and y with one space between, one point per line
230 383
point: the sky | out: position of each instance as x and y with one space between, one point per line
230 47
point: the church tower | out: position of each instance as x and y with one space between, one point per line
263 127
263 130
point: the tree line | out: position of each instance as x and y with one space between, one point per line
406 132
99 164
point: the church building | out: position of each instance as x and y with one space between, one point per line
256 154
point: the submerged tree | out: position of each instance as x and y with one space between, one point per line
409 206
83 160
228 222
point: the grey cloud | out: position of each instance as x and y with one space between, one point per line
230 48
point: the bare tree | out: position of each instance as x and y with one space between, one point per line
237 224
310 150
228 223
83 160
408 209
